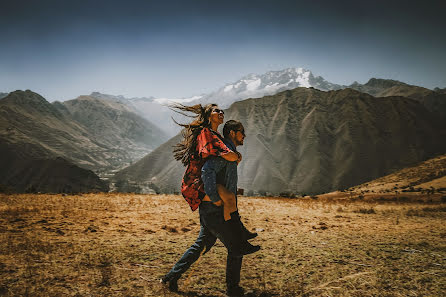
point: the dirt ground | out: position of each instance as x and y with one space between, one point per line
121 244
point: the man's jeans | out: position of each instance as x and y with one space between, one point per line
212 227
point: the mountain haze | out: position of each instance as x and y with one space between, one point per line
147 107
311 141
114 124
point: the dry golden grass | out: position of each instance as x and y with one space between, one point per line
119 245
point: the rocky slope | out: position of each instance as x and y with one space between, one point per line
27 167
47 175
310 141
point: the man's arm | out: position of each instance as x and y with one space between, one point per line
209 176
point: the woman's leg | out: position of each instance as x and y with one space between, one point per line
229 201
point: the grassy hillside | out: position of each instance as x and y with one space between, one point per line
427 176
119 245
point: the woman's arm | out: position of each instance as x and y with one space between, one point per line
232 156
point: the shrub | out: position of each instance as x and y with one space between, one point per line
287 195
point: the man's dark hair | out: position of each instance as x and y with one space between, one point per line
232 125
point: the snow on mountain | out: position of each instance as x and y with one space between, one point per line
270 83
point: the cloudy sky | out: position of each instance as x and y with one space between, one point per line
62 49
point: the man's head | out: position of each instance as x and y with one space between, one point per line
235 131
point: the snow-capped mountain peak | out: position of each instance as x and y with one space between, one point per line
272 82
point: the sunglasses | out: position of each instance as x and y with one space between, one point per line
217 110
241 131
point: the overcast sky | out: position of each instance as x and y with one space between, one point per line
62 49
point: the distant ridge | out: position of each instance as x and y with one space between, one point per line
309 141
434 101
441 91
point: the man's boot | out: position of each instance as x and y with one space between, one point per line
235 292
170 284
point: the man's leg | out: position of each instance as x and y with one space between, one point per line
233 268
204 242
214 222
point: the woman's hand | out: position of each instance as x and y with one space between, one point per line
231 157
239 157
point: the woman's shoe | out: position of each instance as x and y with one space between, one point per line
248 248
248 234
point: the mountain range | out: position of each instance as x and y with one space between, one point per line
270 83
88 134
310 141
305 135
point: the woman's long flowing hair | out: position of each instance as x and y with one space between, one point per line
184 150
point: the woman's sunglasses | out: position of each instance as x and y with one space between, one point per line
217 110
